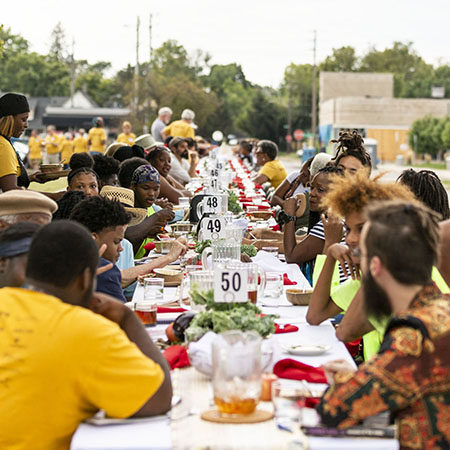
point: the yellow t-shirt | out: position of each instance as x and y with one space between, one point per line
80 145
66 150
96 136
179 128
34 144
9 165
59 364
274 171
50 142
126 138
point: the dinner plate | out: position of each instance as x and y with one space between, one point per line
307 350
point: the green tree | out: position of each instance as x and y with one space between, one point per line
442 78
412 75
58 44
342 59
13 44
445 134
422 136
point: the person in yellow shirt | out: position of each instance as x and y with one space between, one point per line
74 351
52 148
35 150
67 149
80 143
272 170
126 137
181 128
97 137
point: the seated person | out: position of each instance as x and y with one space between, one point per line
351 154
160 159
272 169
245 152
83 179
347 197
18 205
107 170
66 204
295 183
183 163
145 184
106 220
409 375
98 356
314 243
15 242
78 160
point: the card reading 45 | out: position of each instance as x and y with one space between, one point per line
213 228
230 286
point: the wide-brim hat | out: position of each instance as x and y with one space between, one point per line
126 198
146 141
112 148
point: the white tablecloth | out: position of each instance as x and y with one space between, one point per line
157 435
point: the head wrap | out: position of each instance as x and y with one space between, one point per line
10 249
12 104
146 174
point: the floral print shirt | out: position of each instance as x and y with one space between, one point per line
410 376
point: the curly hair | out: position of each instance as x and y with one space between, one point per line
66 204
100 213
105 167
350 143
352 193
427 187
127 169
79 160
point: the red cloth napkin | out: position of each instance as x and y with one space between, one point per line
275 227
260 207
295 370
177 356
353 346
162 309
309 402
287 328
287 281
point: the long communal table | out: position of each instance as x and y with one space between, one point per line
186 430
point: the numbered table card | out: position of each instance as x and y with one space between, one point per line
212 204
230 286
213 228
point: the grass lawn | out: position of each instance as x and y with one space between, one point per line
431 165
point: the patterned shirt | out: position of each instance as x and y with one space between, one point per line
410 376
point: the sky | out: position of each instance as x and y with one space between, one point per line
263 36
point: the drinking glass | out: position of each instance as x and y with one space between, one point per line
146 311
272 250
153 289
256 279
185 286
274 284
236 357
183 202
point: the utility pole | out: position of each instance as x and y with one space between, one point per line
136 69
314 92
72 73
290 113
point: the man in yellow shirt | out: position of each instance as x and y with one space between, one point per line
80 143
126 137
181 128
97 137
52 149
67 352
272 170
66 148
35 150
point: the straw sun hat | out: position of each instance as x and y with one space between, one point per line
126 198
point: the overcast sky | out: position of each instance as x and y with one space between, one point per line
264 36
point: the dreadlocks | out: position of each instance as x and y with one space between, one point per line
427 187
350 143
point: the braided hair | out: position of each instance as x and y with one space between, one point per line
427 187
350 143
66 203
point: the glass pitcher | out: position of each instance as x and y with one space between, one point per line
222 251
236 357
256 279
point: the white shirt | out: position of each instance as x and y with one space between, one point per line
300 188
179 170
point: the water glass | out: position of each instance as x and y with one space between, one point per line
274 284
201 288
256 278
183 202
288 400
272 250
146 311
153 290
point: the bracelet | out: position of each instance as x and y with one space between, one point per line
290 218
